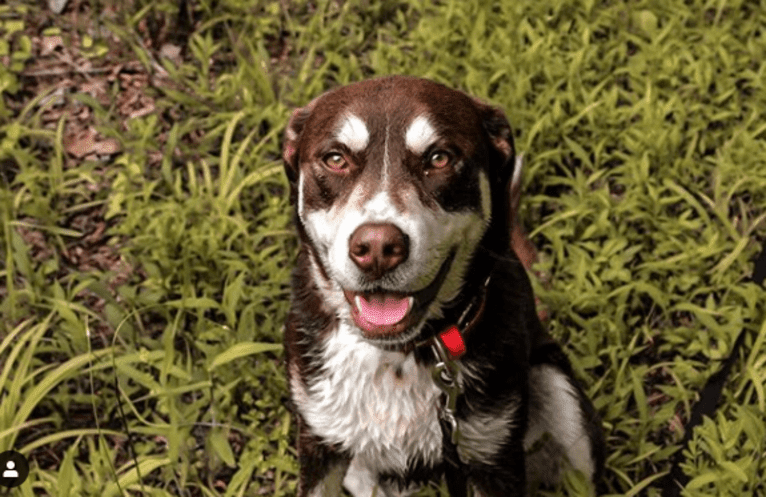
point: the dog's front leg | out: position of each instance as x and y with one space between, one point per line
496 481
491 444
322 467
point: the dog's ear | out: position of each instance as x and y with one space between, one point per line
501 156
291 144
506 168
502 153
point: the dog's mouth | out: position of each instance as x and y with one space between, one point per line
384 314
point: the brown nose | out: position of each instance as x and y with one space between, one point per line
378 247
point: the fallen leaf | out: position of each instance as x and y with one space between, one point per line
172 52
57 6
86 142
107 146
48 44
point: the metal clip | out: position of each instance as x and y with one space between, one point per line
444 375
449 386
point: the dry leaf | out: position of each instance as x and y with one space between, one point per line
86 142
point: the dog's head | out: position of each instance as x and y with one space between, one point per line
397 183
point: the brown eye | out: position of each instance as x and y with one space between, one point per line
335 161
439 159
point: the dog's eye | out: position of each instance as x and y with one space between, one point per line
439 159
335 161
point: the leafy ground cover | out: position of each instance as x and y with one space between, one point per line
146 242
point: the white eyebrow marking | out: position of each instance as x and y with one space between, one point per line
353 133
420 134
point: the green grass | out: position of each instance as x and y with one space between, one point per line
143 291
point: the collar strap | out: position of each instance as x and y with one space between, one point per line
453 336
450 342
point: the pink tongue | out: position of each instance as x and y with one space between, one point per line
382 309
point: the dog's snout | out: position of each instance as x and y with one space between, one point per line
377 248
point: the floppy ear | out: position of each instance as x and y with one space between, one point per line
291 145
502 153
501 156
506 166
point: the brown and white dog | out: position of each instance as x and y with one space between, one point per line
401 187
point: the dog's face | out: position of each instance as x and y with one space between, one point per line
396 182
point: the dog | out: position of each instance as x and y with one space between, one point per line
413 348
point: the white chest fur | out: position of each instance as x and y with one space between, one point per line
379 405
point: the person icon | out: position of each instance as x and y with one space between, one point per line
10 472
14 469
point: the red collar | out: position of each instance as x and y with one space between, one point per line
449 344
452 338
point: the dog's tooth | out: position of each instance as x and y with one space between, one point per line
358 302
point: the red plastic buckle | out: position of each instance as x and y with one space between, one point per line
453 340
